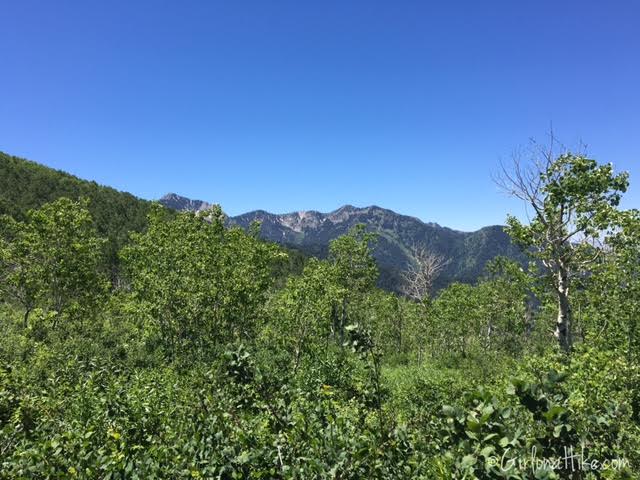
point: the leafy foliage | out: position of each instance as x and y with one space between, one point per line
53 261
199 283
213 354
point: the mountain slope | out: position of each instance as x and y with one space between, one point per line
311 232
25 185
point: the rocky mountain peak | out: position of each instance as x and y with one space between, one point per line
301 220
183 204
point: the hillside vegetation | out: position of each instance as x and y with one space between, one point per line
25 185
204 355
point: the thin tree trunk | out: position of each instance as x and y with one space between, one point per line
563 323
25 320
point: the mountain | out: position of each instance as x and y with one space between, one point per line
311 232
183 204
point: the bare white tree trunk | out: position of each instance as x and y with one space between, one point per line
563 322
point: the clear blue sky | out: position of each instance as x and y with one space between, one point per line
289 105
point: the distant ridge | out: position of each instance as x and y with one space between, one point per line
311 231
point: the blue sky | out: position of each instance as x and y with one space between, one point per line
290 105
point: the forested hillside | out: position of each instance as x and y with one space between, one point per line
25 185
206 358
